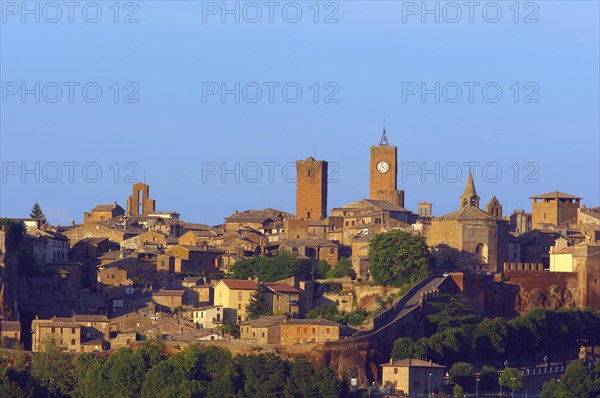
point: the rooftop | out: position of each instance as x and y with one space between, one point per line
240 284
555 195
414 363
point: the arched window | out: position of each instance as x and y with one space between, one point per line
481 253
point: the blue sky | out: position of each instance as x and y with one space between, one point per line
364 64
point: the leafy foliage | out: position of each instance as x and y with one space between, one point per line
15 230
270 269
449 311
258 306
512 378
36 212
341 269
398 257
147 372
578 381
538 333
463 374
356 317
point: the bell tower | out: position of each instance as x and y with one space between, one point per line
469 198
384 173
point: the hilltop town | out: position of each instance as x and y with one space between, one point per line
319 283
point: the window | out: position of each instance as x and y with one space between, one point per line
263 334
308 173
72 341
53 330
327 330
239 306
239 295
72 330
395 371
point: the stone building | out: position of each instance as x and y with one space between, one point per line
265 330
10 333
368 216
234 295
267 221
209 316
469 239
65 331
555 208
301 331
140 202
170 298
311 189
103 213
283 299
384 173
413 377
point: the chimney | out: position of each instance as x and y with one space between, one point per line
391 361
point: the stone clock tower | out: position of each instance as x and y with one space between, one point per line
384 173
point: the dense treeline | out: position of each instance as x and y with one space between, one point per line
150 372
270 269
557 334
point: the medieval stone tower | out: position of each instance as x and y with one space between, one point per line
311 189
384 173
494 207
140 202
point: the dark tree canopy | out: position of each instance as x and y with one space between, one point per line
36 212
270 269
398 257
258 306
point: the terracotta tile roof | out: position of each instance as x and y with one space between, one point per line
468 213
240 284
281 288
555 195
414 363
107 207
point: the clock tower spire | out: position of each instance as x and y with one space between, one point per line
384 173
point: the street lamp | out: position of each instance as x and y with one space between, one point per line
477 387
430 384
512 386
545 363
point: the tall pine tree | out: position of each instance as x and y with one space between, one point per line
258 306
36 212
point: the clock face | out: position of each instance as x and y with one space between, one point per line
383 167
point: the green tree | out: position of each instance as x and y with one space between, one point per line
270 269
550 389
329 312
579 381
463 374
326 382
50 367
37 213
83 363
124 373
488 378
458 391
343 268
490 338
258 306
321 269
512 378
405 348
449 311
398 257
152 351
15 230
